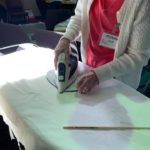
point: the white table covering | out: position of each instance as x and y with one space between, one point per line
36 112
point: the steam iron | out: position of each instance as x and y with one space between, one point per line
66 72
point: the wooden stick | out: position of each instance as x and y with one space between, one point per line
105 128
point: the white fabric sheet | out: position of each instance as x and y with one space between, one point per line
36 112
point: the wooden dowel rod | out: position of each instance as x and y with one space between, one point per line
105 128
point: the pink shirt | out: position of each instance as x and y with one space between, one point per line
102 20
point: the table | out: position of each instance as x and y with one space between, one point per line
36 112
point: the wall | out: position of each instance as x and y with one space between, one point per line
31 4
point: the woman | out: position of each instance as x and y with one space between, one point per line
115 38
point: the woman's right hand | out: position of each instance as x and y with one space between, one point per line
62 46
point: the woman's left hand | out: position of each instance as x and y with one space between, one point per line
87 82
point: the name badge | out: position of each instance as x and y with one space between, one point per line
108 40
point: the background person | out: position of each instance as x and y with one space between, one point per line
3 12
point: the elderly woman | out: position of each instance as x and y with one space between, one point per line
115 38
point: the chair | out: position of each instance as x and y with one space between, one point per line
3 13
45 38
30 27
49 39
55 16
12 34
15 12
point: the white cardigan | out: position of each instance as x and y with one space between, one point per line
133 48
